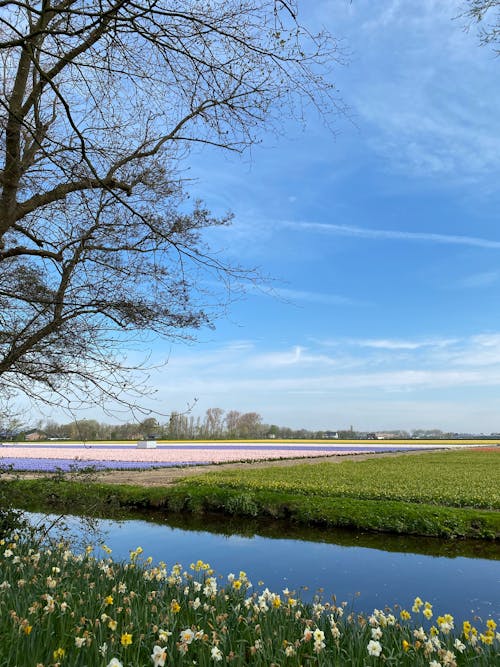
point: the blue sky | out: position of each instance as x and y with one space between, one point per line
382 240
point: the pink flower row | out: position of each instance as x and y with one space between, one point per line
177 456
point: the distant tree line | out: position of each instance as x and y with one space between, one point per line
215 424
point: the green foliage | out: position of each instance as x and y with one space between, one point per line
11 519
454 479
80 610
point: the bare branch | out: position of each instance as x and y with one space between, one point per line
101 101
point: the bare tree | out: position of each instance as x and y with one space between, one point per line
231 420
249 425
101 100
487 14
213 423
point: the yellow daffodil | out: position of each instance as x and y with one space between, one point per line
126 639
417 604
59 654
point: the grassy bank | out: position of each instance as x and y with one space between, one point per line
77 609
446 494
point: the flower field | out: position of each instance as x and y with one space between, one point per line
468 478
62 608
126 456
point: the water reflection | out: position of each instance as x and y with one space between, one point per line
248 527
461 578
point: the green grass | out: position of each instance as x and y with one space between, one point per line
454 479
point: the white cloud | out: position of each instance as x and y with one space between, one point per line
334 384
311 297
428 363
301 385
298 356
387 344
417 83
395 235
478 280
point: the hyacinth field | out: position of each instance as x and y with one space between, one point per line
466 478
63 608
65 457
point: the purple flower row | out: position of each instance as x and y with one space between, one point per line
52 465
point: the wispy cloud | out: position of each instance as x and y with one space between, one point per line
297 356
405 380
296 295
395 235
419 82
430 362
325 382
387 344
478 280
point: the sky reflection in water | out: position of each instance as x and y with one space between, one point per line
461 586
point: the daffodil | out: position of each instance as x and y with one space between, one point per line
216 654
158 656
445 623
427 613
114 662
187 636
58 654
318 635
163 635
417 604
374 648
126 639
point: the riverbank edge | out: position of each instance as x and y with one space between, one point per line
385 516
